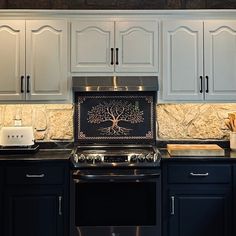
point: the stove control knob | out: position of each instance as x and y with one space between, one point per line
89 159
141 158
150 157
98 158
81 158
133 158
75 156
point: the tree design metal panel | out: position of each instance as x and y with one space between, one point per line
115 116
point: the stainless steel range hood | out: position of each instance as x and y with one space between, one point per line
115 83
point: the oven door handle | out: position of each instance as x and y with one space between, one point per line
115 177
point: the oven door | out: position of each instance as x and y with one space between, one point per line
117 203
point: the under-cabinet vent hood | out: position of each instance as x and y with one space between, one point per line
115 83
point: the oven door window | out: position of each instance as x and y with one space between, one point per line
115 204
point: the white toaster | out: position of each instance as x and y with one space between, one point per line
16 136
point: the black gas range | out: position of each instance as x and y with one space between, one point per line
115 163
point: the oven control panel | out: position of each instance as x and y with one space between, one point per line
115 156
100 159
115 159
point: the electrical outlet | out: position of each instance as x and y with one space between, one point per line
17 122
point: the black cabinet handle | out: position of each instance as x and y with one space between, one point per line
112 56
28 84
200 84
207 85
117 56
21 84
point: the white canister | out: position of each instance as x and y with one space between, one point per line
232 139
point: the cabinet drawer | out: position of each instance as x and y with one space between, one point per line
196 173
35 175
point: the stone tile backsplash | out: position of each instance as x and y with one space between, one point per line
52 122
193 121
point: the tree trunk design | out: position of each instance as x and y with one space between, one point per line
114 112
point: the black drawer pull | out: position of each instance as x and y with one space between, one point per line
117 56
200 84
21 83
28 84
199 174
207 84
112 56
34 176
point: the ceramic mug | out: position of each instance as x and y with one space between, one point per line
232 139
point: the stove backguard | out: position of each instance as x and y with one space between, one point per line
115 117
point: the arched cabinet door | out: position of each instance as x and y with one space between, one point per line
12 66
136 46
122 45
46 60
183 60
92 46
220 59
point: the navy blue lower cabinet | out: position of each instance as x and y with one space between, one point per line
34 212
197 205
36 199
234 199
199 212
1 201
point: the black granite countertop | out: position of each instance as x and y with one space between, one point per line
62 150
46 151
221 143
43 154
229 156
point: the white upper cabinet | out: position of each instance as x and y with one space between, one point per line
114 46
12 66
199 66
220 59
34 60
46 60
136 45
182 60
92 43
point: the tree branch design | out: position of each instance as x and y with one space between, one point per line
115 111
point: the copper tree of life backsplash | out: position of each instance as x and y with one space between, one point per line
114 112
114 116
